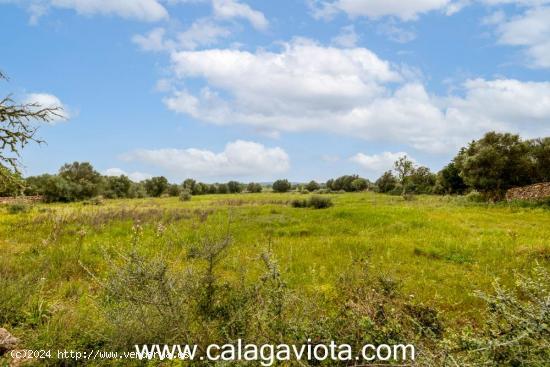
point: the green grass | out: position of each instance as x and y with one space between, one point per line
440 249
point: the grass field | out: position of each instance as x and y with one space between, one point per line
56 258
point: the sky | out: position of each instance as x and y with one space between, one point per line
259 90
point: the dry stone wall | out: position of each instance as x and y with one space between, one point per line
531 192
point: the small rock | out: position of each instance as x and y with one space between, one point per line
7 341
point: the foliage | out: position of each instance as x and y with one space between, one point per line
421 181
386 183
348 183
403 167
495 163
540 151
173 190
11 184
315 201
19 207
234 187
449 181
281 186
156 186
312 186
84 181
254 187
517 330
117 187
319 202
185 195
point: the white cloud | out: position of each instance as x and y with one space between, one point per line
238 159
134 176
395 33
532 31
153 41
203 32
45 100
347 38
229 9
142 10
377 164
405 10
308 87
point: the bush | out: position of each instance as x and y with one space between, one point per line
185 195
316 202
319 202
516 331
20 207
299 203
474 197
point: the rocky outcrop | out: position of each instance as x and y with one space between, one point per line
531 192
7 341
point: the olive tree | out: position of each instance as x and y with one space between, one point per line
17 129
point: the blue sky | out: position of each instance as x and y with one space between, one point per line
258 90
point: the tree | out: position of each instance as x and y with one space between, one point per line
222 188
17 130
234 187
540 151
403 167
156 186
495 163
254 187
281 186
387 182
329 184
83 178
189 184
312 186
173 190
359 184
117 187
449 181
422 180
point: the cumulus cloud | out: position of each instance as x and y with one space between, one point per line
134 176
229 9
404 10
238 159
45 100
308 87
142 10
376 164
530 30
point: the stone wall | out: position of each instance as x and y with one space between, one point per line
18 199
531 192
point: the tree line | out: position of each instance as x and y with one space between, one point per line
490 165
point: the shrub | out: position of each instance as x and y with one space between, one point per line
319 202
185 195
299 203
516 330
316 202
20 207
474 197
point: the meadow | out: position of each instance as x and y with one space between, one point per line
83 276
